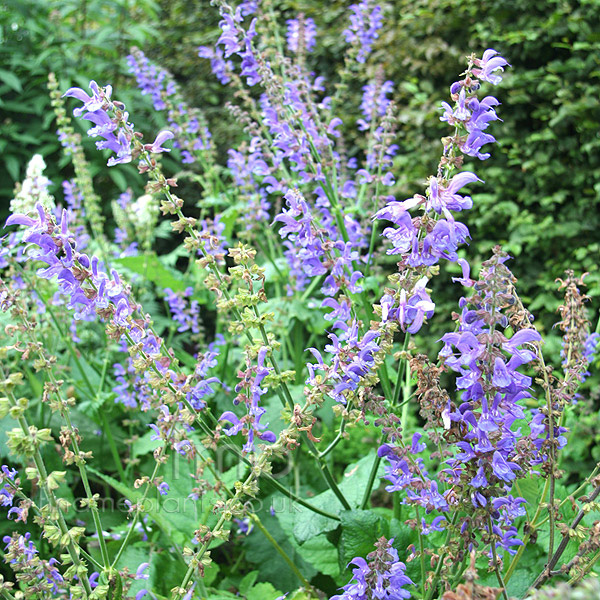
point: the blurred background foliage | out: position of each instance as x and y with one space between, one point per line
540 199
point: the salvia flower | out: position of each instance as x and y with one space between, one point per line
375 102
366 19
220 67
301 34
186 313
152 80
487 66
110 120
352 359
249 393
382 576
8 490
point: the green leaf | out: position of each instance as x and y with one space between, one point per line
151 268
308 524
360 530
210 573
174 513
12 166
144 445
261 553
321 554
263 591
519 583
11 80
247 582
118 178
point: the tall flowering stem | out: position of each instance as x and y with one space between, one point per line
28 440
121 138
71 143
577 351
69 435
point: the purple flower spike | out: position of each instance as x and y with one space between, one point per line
301 26
365 21
383 577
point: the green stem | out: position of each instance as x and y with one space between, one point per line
372 475
402 364
88 491
141 501
421 548
290 403
72 548
282 389
495 559
197 557
38 512
311 288
113 446
335 441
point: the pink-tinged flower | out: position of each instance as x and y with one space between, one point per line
446 198
156 146
90 103
488 64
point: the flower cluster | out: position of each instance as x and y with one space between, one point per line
235 40
110 120
301 34
8 491
375 102
152 80
424 240
21 555
82 280
352 358
365 22
485 423
406 471
185 313
249 392
33 189
191 135
314 248
382 576
219 66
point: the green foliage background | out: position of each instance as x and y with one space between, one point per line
540 198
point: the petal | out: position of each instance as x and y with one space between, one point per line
78 93
18 219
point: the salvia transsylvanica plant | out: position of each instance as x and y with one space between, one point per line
177 425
